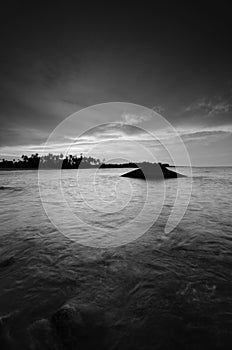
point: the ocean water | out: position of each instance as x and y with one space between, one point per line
82 269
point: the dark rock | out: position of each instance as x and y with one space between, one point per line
80 327
42 336
152 172
10 340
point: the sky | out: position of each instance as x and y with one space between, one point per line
173 58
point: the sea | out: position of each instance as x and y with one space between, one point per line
87 260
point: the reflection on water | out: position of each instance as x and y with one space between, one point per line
158 292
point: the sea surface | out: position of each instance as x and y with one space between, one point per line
80 268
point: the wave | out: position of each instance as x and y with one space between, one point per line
10 188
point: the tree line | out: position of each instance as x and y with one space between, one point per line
52 161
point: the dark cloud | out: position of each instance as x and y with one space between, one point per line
209 112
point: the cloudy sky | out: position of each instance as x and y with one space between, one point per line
173 58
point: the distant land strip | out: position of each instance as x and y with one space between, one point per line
52 161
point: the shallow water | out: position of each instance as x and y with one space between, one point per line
160 291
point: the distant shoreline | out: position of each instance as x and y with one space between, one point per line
118 167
